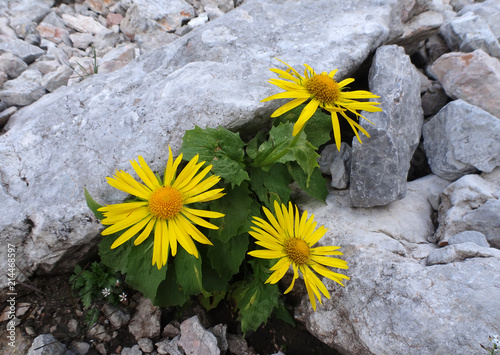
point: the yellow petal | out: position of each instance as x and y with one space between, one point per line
287 107
266 254
146 232
130 232
305 115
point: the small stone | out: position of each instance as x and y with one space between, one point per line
469 236
145 323
97 331
101 349
220 333
213 11
49 344
73 327
146 345
11 65
54 33
113 19
195 339
170 347
22 49
29 330
83 24
80 348
116 316
5 115
81 40
171 330
135 350
57 78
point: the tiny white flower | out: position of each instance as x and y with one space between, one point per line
123 297
117 283
106 292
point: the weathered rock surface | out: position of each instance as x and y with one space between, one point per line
394 303
460 139
473 77
489 10
145 322
394 135
196 339
469 204
215 75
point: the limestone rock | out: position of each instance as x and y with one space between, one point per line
394 303
21 91
475 237
468 33
12 65
83 24
145 322
473 77
459 252
57 78
46 344
460 139
469 204
210 77
489 10
394 135
196 339
27 52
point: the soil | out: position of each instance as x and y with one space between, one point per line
52 304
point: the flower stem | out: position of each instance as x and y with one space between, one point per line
272 159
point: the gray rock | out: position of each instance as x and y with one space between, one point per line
83 24
433 99
224 5
171 330
489 10
80 348
73 326
340 167
149 16
26 11
11 65
459 4
57 78
400 304
54 33
460 139
473 77
21 91
469 204
169 347
146 345
135 350
81 40
196 339
238 345
117 58
208 78
153 40
469 236
460 252
418 29
98 332
21 49
6 30
46 344
116 316
145 322
220 332
213 11
435 46
395 135
6 114
468 33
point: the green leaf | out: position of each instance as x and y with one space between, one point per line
272 185
188 273
315 186
255 299
170 293
219 147
318 128
281 312
135 262
226 256
235 205
254 144
93 205
212 301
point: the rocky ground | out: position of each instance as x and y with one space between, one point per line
85 85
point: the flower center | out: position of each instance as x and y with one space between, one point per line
165 202
323 88
297 250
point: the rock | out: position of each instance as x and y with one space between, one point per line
3 78
489 10
460 139
116 316
459 4
475 237
238 345
224 5
46 344
54 33
135 350
207 77
6 30
98 331
153 40
81 40
219 331
146 345
170 347
6 114
171 330
57 78
468 33
337 164
116 58
213 11
433 99
395 135
149 16
12 65
21 49
460 252
73 326
400 304
435 47
192 24
113 19
469 204
80 348
21 91
196 340
145 322
418 29
473 77
83 24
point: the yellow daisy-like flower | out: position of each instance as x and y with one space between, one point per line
162 207
290 238
323 91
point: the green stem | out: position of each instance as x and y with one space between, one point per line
272 159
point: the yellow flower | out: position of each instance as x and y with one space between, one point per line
162 207
323 91
290 238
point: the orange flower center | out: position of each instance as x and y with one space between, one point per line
323 88
297 250
165 202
